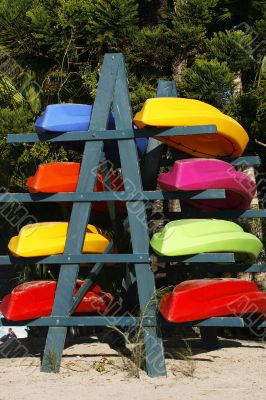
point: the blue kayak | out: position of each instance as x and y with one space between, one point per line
60 118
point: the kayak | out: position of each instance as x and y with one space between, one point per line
203 174
35 299
198 299
230 140
193 236
59 118
63 177
55 177
49 238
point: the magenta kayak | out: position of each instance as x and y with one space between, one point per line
203 174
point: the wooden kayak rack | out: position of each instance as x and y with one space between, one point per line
140 187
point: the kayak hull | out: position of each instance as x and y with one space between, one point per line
54 177
63 177
206 298
35 299
193 236
203 174
59 118
230 140
49 238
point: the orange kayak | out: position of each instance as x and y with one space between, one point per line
63 177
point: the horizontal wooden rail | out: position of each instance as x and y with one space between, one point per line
239 161
112 258
75 321
230 322
110 196
199 258
236 322
218 268
76 259
94 135
223 214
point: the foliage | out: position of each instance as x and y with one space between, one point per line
210 81
112 23
252 111
189 25
240 10
18 120
259 36
232 46
150 52
195 11
139 91
250 108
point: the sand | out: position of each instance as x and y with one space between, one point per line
94 370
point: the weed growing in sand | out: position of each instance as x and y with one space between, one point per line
51 362
134 361
134 339
187 365
130 366
100 366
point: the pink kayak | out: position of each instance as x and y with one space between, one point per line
203 174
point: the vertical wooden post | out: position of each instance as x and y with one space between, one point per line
152 158
154 352
80 215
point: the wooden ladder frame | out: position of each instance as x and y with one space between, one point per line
113 94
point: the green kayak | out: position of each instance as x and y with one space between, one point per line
192 236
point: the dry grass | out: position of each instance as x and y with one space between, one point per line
187 365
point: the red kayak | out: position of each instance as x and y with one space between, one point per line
35 299
205 298
63 177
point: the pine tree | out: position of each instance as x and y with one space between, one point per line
112 23
210 81
234 47
189 27
150 52
237 11
195 11
14 34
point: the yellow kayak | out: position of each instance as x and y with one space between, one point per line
231 138
48 238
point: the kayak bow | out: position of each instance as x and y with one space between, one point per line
49 238
230 140
203 174
205 298
193 236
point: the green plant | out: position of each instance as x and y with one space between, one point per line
210 81
52 362
100 366
187 365
134 339
112 23
234 47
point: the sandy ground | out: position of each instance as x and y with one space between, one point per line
94 370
